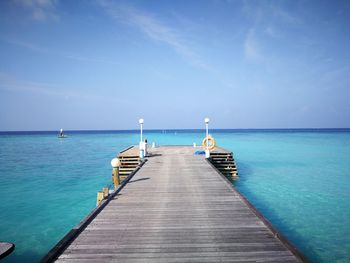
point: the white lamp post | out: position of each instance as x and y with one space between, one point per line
141 123
141 144
207 153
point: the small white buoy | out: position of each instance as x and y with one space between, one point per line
153 145
194 145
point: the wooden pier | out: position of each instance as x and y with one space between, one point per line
177 207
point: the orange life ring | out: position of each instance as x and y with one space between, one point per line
211 142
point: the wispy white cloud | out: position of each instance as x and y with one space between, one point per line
11 83
335 78
24 44
40 10
155 29
67 55
252 50
267 20
283 16
272 32
263 12
14 84
88 59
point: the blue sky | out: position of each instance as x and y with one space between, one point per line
104 64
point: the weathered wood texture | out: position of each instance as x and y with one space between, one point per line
177 208
134 150
131 151
6 249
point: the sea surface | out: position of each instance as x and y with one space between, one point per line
298 179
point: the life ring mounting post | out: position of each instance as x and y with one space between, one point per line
209 143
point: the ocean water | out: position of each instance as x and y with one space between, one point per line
298 179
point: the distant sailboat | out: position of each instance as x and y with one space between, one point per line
62 135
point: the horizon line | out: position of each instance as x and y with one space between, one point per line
174 129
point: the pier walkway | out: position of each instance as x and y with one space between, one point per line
177 208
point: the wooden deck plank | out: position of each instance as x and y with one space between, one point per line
6 249
177 208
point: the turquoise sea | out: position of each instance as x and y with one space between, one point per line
298 179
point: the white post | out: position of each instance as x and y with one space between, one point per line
207 153
141 133
207 134
141 144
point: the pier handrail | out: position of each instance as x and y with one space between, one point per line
126 149
54 253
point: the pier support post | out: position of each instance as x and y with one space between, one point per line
115 172
100 196
105 191
115 177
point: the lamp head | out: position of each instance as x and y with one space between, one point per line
206 120
115 162
141 121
